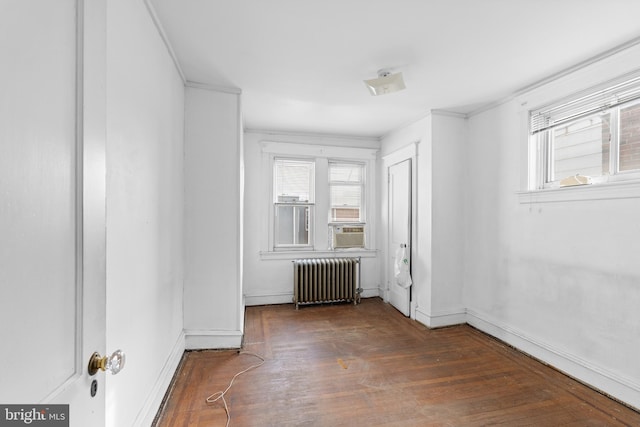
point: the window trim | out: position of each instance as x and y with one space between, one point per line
323 153
309 204
363 188
542 121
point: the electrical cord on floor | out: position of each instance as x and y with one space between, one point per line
220 394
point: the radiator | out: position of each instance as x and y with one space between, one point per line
324 280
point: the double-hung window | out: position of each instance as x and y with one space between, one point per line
318 199
293 203
592 137
346 192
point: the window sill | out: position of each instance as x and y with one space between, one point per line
603 191
291 255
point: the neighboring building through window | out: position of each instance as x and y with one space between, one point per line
317 198
595 135
346 192
293 202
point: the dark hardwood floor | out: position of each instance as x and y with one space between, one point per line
367 365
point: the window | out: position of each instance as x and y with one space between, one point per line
293 202
595 134
346 191
313 192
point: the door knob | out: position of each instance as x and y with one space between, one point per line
113 363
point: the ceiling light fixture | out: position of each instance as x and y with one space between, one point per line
385 83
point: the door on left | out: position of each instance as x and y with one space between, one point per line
52 165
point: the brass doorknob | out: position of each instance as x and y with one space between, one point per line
113 363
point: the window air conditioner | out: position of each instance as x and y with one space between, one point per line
348 236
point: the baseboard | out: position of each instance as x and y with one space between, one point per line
441 319
370 292
287 297
154 398
269 299
212 339
611 384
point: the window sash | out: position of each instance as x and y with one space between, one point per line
293 181
607 101
610 95
346 191
293 225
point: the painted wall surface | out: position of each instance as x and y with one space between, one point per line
437 252
560 280
213 194
449 180
268 280
395 142
145 103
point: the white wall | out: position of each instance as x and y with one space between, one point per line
437 248
449 179
404 143
560 279
145 103
268 278
213 308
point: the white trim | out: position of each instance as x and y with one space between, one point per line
620 388
287 297
313 135
556 76
215 88
196 339
447 113
240 223
604 191
314 150
407 152
441 319
269 299
165 39
339 253
154 399
79 207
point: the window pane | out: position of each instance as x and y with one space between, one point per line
346 195
345 215
630 138
581 147
292 225
345 172
345 202
293 181
346 184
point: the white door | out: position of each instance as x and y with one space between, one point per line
52 245
399 199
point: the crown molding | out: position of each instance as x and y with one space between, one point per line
448 113
214 88
165 39
553 77
312 135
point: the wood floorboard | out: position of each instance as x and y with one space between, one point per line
367 365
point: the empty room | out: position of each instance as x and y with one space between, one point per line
322 213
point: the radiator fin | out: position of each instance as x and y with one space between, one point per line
325 280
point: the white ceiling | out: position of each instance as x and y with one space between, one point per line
300 63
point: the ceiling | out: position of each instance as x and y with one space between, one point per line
301 63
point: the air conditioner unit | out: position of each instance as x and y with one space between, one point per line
348 236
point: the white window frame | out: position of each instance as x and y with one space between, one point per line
363 186
321 154
615 184
309 205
